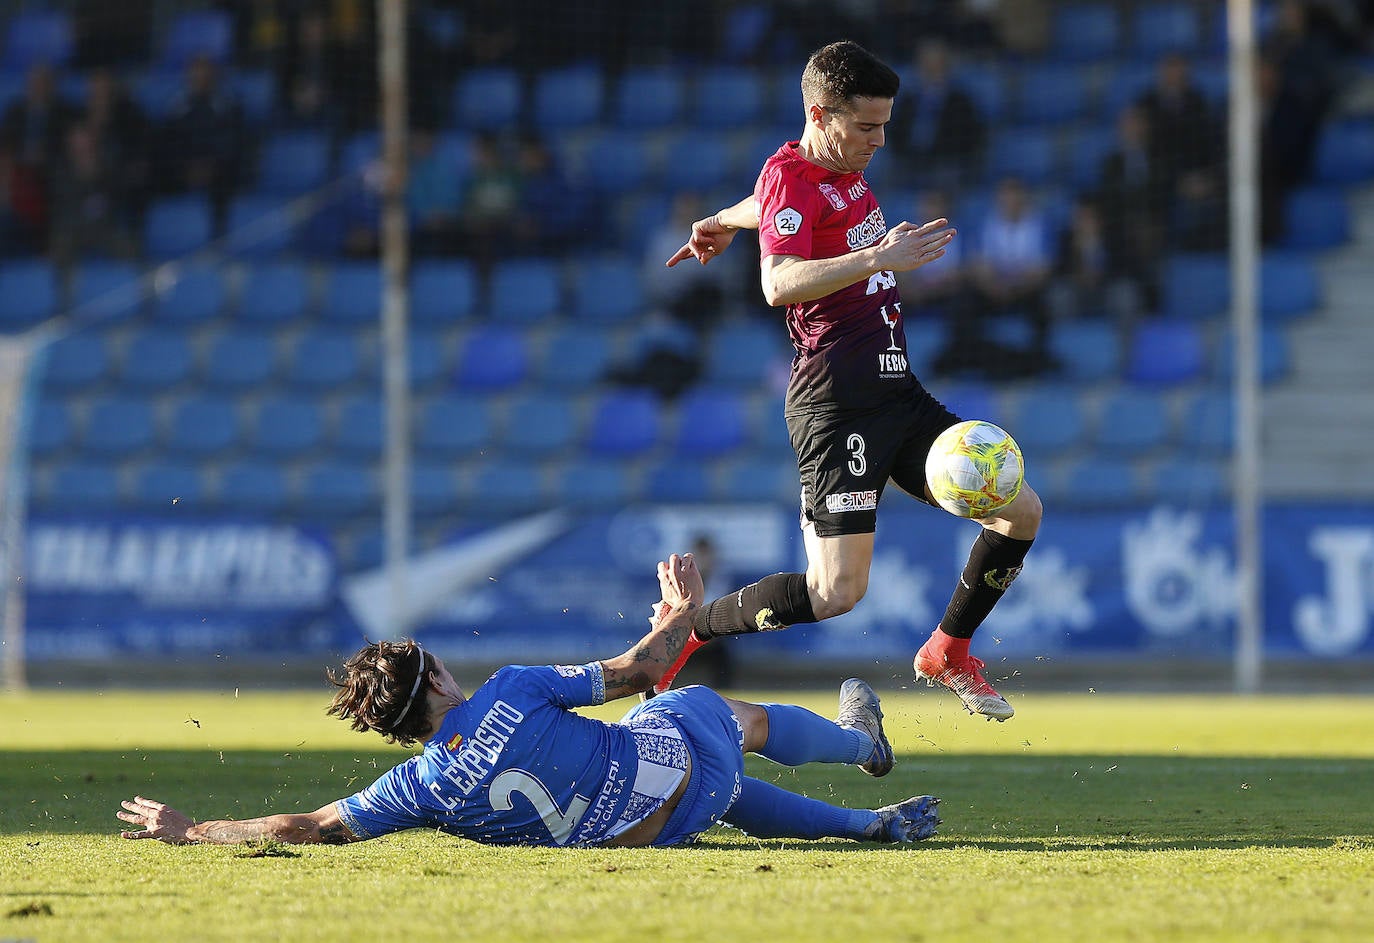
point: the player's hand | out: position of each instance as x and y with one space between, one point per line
680 582
710 237
158 819
908 246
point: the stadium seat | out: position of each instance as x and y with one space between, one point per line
525 290
81 485
1189 480
1051 93
253 485
1126 82
568 98
157 91
1087 351
1088 148
574 358
701 161
452 426
29 290
105 291
727 98
240 361
1132 422
1166 351
195 33
203 425
1345 152
433 486
428 360
969 401
156 360
761 479
195 295
259 226
770 435
1316 218
352 293
745 353
51 430
337 488
925 338
161 484
76 362
647 98
117 426
489 98
1160 28
287 426
360 426
594 484
543 422
176 226
746 30
1025 153
710 423
623 423
274 294
323 360
1273 354
675 481
500 487
442 293
257 93
293 162
1289 286
1197 286
1100 482
493 357
981 81
1049 421
1084 32
607 290
1208 423
38 36
618 161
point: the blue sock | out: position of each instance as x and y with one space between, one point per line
796 736
767 811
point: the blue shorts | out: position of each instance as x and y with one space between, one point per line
715 739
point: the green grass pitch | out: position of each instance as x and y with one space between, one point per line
1087 817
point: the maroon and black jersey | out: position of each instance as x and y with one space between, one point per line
851 348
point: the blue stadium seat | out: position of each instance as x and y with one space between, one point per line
156 360
745 352
1289 286
106 290
493 357
293 162
1345 152
118 426
51 429
1190 479
505 486
341 488
323 360
1159 28
525 290
1125 84
543 422
176 226
623 423
253 485
1026 153
1084 32
203 425
352 293
81 485
1197 286
711 423
1208 423
1100 482
619 161
1213 78
1132 422
428 360
1088 148
746 31
770 435
196 295
1087 350
287 426
760 479
161 484
452 426
359 426
273 294
257 93
925 338
574 358
1051 93
37 36
240 361
76 361
1273 354
607 290
648 97
981 81
675 481
1316 218
1049 420
969 401
488 98
568 98
433 486
157 91
195 33
259 226
442 292
701 161
1166 351
29 290
594 484
727 98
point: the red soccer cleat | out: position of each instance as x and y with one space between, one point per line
964 678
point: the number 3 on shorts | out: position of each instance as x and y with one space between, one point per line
857 463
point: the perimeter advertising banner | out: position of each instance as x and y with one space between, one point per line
559 586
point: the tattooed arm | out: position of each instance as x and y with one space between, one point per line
161 821
637 669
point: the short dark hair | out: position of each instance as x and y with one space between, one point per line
837 74
376 686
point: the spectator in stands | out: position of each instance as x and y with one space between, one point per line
550 209
941 134
943 285
696 296
433 196
121 133
718 659
89 213
1133 197
20 211
32 131
204 143
308 79
1089 279
490 201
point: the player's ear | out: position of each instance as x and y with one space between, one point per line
815 114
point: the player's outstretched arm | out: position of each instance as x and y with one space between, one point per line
637 669
712 236
162 822
789 279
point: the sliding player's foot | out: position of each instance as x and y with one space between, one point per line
911 820
964 678
860 709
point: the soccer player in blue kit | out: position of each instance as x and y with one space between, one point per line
515 765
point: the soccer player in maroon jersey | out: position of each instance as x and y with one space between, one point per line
856 415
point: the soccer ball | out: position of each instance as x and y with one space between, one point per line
974 468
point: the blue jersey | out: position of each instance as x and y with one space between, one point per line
515 765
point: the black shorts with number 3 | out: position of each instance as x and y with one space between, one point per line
845 458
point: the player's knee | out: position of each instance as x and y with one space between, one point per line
837 596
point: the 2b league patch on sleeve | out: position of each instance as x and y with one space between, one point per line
787 221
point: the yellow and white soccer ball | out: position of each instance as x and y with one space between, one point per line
974 469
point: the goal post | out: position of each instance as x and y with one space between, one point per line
17 357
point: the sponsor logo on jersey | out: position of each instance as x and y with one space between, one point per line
892 363
851 501
787 221
867 232
833 195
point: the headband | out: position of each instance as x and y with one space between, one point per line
415 689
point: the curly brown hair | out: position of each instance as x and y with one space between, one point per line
376 686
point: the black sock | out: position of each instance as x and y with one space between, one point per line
993 562
774 602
